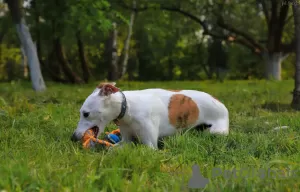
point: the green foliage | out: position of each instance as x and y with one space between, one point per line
288 67
95 15
252 65
67 16
37 154
165 45
10 58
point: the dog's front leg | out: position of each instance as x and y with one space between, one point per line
149 135
126 138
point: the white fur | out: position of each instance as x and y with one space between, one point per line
147 114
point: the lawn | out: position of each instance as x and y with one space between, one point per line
36 153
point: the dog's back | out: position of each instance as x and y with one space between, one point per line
188 108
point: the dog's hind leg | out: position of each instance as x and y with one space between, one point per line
160 143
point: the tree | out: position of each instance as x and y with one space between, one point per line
296 93
112 53
86 73
226 20
24 35
165 43
65 32
127 42
272 49
61 56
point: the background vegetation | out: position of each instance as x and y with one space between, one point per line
168 40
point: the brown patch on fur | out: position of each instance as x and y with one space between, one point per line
183 111
101 84
173 90
107 88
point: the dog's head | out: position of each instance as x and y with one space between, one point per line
97 111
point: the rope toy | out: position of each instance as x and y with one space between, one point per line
89 139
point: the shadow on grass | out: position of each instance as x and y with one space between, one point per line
277 107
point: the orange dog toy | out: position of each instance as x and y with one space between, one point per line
89 139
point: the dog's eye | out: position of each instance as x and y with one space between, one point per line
86 114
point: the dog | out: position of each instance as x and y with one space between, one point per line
150 114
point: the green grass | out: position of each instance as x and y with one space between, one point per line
36 153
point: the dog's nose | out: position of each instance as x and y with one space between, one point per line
74 137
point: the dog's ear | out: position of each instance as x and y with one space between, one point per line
108 89
100 85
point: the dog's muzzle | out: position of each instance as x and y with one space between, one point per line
77 136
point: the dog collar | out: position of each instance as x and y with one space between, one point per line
123 108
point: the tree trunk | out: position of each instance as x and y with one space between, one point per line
31 54
24 66
113 72
37 31
211 61
131 68
84 66
273 65
296 93
10 68
51 62
73 78
170 67
52 68
127 42
37 80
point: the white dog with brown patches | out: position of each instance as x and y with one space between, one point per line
150 114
